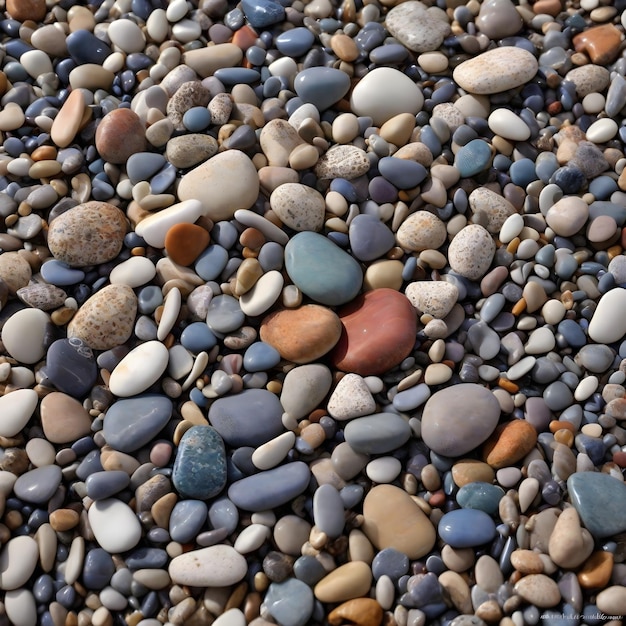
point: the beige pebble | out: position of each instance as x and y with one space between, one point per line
348 581
527 561
612 600
538 589
380 274
457 559
570 544
458 591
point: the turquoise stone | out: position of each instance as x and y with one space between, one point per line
473 158
479 495
322 270
200 467
290 602
600 501
466 528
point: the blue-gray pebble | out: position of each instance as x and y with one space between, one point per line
369 237
321 86
186 520
290 602
466 528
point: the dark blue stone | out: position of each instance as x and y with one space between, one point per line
389 54
146 558
200 467
84 47
90 464
43 589
572 333
570 179
196 119
382 191
104 484
466 528
369 237
98 568
236 75
262 13
402 173
71 367
295 42
523 172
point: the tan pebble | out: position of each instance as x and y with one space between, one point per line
458 591
539 589
487 574
63 418
15 271
359 547
612 600
596 571
527 562
360 612
489 611
457 559
467 471
162 509
68 121
114 460
433 62
383 273
348 581
398 129
570 544
62 520
421 230
303 157
415 151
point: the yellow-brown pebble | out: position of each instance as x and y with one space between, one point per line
360 612
596 571
347 582
467 471
510 443
64 519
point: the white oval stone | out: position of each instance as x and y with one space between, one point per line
608 323
511 228
21 607
139 369
23 335
16 408
232 617
114 524
602 131
540 341
134 272
384 93
18 560
215 566
585 388
383 470
262 296
507 124
36 63
270 454
126 35
154 227
252 538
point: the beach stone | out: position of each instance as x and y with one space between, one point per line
321 86
420 231
185 242
63 418
139 369
67 123
473 158
131 423
22 11
409 530
302 335
589 79
611 600
539 590
106 319
377 434
490 72
385 92
569 544
369 237
466 528
71 366
467 471
215 566
290 602
417 27
303 389
114 524
509 443
191 149
16 410
298 206
342 161
471 251
599 43
88 234
458 419
348 581
434 298
18 560
480 495
599 502
101 485
23 335
15 271
278 140
606 325
223 184
361 611
120 134
378 332
351 398
322 270
496 208
250 418
38 485
272 488
567 216
155 227
498 19
42 296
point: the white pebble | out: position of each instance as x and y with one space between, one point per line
134 272
384 469
507 124
602 131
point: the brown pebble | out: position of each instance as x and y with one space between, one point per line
510 443
64 519
596 571
120 134
601 43
185 242
22 10
467 471
63 418
360 612
344 47
548 7
527 561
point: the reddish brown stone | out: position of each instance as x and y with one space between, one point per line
600 43
302 335
379 330
596 571
509 443
360 611
185 242
22 10
548 7
120 134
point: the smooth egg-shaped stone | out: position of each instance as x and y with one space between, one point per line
16 409
466 528
480 495
379 329
321 86
290 602
402 173
23 335
370 238
378 433
321 269
200 467
38 485
608 325
102 485
139 369
186 520
457 419
71 366
250 418
215 566
115 525
18 561
272 488
131 423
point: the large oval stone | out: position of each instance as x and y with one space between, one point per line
456 420
88 234
249 418
120 134
215 566
200 466
379 329
408 530
377 434
302 335
225 183
321 269
132 423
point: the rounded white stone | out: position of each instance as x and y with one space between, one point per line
176 10
171 309
511 228
351 398
553 311
608 323
270 454
540 341
36 63
180 362
384 469
263 295
114 524
20 607
23 335
215 566
584 389
507 124
252 538
157 25
154 227
126 35
139 369
134 272
232 617
16 408
602 131
385 92
18 560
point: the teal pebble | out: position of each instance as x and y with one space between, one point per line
473 158
290 602
480 495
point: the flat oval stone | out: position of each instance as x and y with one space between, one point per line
71 366
18 560
250 418
607 325
263 294
139 369
321 269
302 335
106 319
402 173
272 488
16 409
23 335
200 467
600 501
413 25
290 602
63 418
38 485
408 530
186 519
15 271
115 525
328 511
321 86
370 238
480 495
131 423
119 135
348 581
215 566
567 216
342 161
456 420
304 387
378 433
471 251
378 333
509 443
98 568
466 528
298 206
102 485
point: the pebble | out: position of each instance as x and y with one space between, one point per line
416 27
466 528
17 408
471 251
215 566
114 524
17 571
139 369
23 334
509 444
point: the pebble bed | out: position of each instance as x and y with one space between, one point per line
312 313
